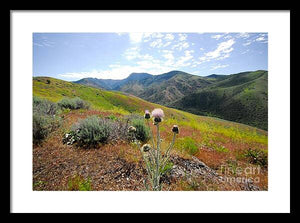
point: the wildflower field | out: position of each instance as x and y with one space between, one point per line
83 141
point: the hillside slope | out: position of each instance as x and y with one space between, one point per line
241 97
110 84
161 89
215 142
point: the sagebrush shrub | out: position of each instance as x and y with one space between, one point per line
98 129
91 131
142 131
81 103
44 106
44 119
73 103
40 127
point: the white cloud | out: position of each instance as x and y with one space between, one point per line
243 35
146 57
160 40
132 53
154 67
135 37
156 43
188 52
157 35
169 36
167 44
228 37
152 36
245 51
262 38
223 51
37 44
185 60
182 37
72 76
44 42
219 66
217 37
147 37
247 43
168 56
181 45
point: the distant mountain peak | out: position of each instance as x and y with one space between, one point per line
215 75
138 76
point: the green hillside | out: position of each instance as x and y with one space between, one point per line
165 92
100 99
241 97
120 103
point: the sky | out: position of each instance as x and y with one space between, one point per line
72 56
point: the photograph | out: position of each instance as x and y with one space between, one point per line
150 111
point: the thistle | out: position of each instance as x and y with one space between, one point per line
151 154
147 114
157 115
146 147
131 129
175 129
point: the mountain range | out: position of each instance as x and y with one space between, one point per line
241 97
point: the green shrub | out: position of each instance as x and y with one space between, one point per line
40 128
73 103
81 103
257 156
112 117
44 119
142 131
220 148
167 168
187 144
44 106
91 131
78 183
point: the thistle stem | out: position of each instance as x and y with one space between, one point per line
158 157
168 152
151 135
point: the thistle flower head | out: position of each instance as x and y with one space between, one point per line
146 147
175 129
131 129
157 114
147 114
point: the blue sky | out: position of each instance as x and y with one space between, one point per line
72 56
